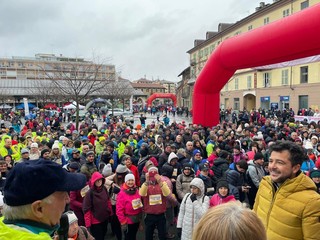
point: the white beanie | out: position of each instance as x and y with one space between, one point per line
55 146
71 217
35 145
128 177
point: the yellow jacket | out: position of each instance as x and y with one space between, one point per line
291 212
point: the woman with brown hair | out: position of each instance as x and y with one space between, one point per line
230 221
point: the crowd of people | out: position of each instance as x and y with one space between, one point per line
165 180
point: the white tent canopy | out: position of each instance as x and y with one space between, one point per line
5 106
73 105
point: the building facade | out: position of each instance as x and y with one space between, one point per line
275 86
19 75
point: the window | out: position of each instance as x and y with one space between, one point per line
206 51
201 53
237 33
304 74
249 82
250 27
236 84
303 101
284 77
236 104
304 5
267 79
3 73
266 20
285 13
212 48
226 87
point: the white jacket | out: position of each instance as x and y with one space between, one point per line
191 212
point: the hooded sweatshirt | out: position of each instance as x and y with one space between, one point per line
96 204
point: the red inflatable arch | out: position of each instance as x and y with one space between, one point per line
290 38
162 95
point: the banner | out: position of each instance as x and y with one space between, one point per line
309 118
26 106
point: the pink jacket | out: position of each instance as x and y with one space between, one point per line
217 200
128 205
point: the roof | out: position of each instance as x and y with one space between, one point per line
147 85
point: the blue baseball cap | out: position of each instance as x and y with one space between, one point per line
35 180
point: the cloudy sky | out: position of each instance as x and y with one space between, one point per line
141 37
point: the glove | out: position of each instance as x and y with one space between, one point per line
193 197
124 228
179 230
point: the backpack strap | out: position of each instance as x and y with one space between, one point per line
187 198
85 231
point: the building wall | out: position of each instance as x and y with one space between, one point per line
284 82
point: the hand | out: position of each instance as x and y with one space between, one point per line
244 189
193 197
124 228
158 178
173 180
147 177
179 230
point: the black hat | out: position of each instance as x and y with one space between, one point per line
224 154
47 176
74 166
110 144
258 155
44 151
222 183
167 170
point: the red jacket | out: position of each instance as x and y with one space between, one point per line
128 205
217 200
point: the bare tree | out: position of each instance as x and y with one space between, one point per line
120 89
76 80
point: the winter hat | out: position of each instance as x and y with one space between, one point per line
167 171
89 153
144 152
222 183
223 154
34 145
71 217
314 137
236 147
153 169
258 155
149 164
315 174
127 131
187 166
74 166
54 146
44 151
154 161
195 152
102 139
107 170
121 169
128 177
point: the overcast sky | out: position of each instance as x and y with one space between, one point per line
141 37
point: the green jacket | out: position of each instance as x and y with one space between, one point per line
11 231
290 212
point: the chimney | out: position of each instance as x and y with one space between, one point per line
262 4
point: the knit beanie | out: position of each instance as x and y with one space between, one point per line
71 217
128 177
44 151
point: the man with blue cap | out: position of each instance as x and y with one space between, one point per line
35 196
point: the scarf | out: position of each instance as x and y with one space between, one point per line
128 190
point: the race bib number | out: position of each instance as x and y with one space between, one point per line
175 172
136 203
155 199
